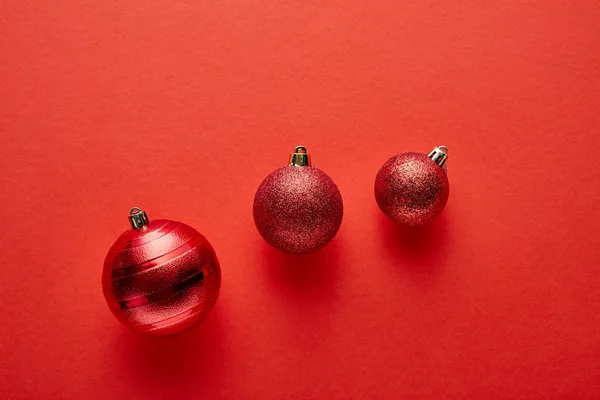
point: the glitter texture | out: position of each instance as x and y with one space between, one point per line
298 209
411 189
161 279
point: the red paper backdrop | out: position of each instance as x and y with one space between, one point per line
183 107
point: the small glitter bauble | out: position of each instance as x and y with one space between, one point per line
412 188
298 208
160 277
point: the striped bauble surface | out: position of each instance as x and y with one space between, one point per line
161 276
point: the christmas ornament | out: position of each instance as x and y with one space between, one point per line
298 208
160 277
412 188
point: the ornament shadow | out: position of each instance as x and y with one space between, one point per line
308 278
420 248
191 358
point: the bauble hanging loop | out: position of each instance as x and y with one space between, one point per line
298 208
160 277
137 218
413 188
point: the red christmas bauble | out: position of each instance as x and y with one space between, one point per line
298 208
413 188
160 277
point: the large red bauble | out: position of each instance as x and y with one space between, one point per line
411 188
161 278
298 209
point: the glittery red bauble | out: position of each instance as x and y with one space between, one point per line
161 278
298 209
411 189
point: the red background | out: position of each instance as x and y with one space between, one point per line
183 107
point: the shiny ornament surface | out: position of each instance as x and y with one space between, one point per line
161 278
298 209
411 188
